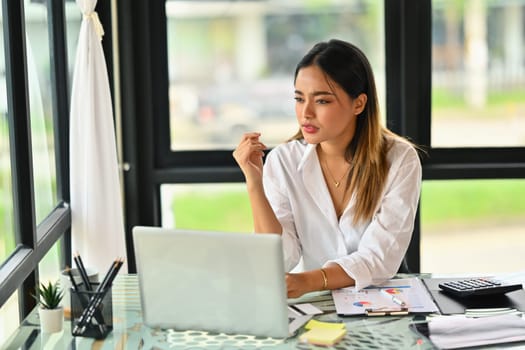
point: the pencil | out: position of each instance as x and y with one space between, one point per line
71 278
110 274
82 271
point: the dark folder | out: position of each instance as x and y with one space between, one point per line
454 305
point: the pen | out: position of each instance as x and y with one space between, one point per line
386 312
395 299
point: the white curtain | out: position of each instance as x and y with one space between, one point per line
96 200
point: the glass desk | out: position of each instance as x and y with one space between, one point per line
129 332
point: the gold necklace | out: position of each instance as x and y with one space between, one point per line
336 183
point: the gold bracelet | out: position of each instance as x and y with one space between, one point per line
325 279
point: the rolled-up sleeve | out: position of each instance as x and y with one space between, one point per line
385 241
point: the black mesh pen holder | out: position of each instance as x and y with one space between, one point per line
91 312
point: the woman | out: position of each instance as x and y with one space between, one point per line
343 192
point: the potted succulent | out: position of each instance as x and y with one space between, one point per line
51 312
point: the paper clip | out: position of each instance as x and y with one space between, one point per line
387 312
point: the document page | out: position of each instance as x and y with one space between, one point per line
459 331
405 293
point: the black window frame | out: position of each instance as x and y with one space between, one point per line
33 239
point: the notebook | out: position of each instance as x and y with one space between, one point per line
212 281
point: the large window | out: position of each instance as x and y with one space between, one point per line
50 266
472 226
219 207
231 63
7 234
73 20
476 132
9 317
8 311
7 237
40 105
478 73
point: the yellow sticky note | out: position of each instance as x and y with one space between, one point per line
323 336
324 325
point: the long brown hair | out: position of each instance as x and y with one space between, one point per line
347 66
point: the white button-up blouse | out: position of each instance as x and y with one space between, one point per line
370 252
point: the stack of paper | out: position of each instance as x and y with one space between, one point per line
459 331
489 312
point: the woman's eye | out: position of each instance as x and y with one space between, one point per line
321 102
298 99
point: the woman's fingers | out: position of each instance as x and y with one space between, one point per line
250 135
253 139
249 155
249 146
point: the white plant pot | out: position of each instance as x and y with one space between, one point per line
51 320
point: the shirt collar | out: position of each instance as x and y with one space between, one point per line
308 155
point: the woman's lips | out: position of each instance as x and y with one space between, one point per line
309 128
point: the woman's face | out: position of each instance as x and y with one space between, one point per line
325 112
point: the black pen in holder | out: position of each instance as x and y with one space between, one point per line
91 312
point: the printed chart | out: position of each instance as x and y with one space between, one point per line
389 296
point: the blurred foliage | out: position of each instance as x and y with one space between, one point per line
468 202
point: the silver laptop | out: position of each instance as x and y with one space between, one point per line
212 281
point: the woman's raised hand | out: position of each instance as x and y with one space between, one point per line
249 155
